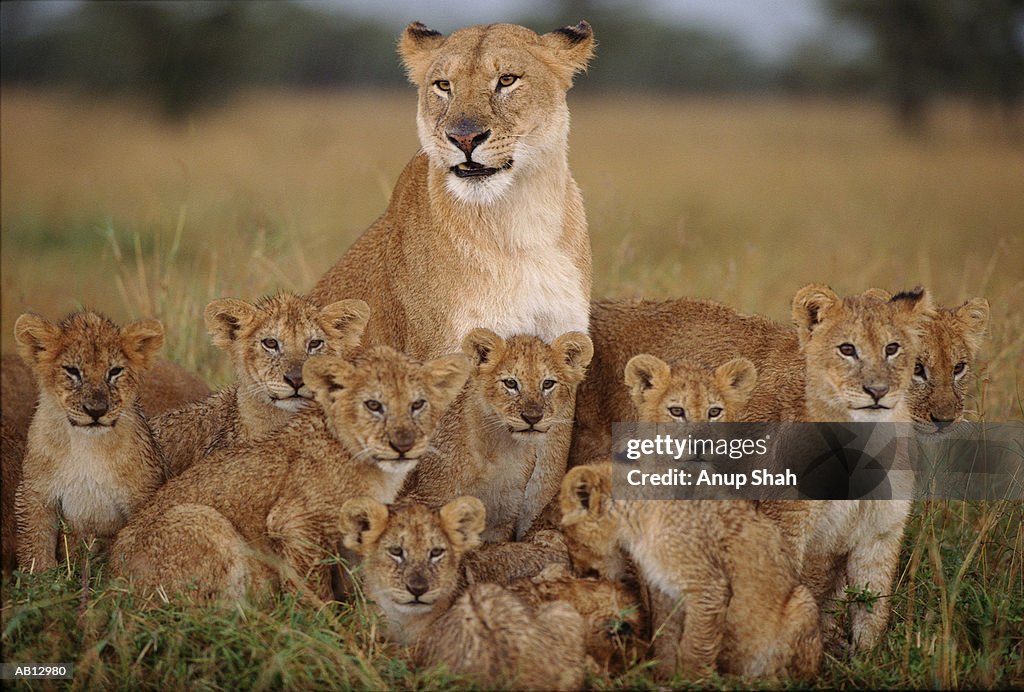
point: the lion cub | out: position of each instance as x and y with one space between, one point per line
411 561
91 457
686 392
268 342
278 497
745 611
506 438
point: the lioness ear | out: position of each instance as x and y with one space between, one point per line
446 376
225 317
575 350
416 48
326 375
37 339
483 346
810 304
973 316
736 379
463 520
141 340
345 321
574 46
363 520
584 491
643 373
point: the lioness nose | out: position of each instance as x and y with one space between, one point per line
402 440
877 391
467 136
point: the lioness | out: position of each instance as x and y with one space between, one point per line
486 226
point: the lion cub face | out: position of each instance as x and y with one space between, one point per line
385 405
492 101
88 365
528 383
686 392
411 554
270 340
861 350
950 344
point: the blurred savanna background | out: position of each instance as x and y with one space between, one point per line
157 155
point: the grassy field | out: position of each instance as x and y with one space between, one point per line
741 201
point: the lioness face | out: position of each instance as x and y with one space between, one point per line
89 365
492 101
270 340
528 384
685 392
860 351
948 348
383 406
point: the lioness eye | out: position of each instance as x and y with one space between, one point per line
511 384
418 404
714 412
919 371
959 368
443 85
72 372
892 349
114 372
507 80
436 553
314 345
548 384
677 412
848 350
373 405
270 344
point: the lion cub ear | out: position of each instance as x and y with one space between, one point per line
345 321
916 303
225 317
37 339
574 350
736 380
326 375
363 520
416 48
141 341
645 372
973 318
483 346
463 520
585 491
574 46
446 376
810 305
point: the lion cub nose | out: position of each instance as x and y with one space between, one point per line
294 378
532 418
402 440
877 391
467 136
416 585
95 409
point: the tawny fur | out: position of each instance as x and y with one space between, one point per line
506 438
686 392
509 251
269 385
411 559
91 458
280 495
745 611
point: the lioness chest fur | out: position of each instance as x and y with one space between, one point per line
486 226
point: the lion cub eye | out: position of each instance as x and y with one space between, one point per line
920 372
397 552
418 404
677 412
507 80
511 384
314 345
848 350
436 553
891 349
73 372
271 345
714 412
114 373
547 385
374 405
959 368
443 85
